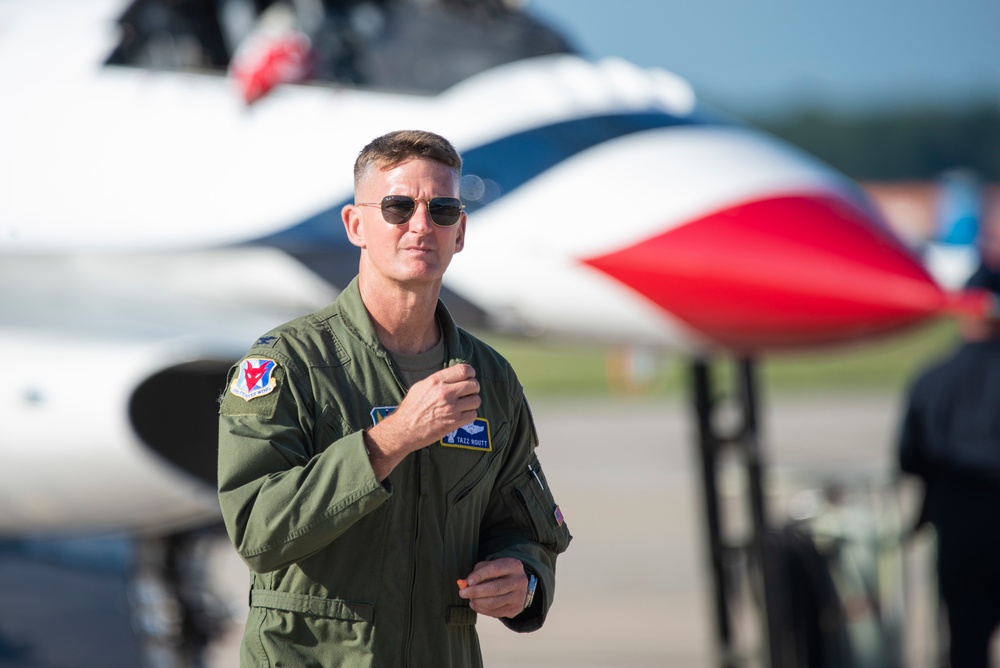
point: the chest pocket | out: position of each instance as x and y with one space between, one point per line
468 474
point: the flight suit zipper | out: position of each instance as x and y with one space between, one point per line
414 552
414 561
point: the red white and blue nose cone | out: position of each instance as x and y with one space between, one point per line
780 271
694 236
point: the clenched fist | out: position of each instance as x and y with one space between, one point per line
434 407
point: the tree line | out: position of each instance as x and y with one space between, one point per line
902 144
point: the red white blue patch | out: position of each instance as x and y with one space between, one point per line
559 516
254 379
473 436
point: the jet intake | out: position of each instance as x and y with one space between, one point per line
176 413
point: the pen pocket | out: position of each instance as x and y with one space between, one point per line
534 509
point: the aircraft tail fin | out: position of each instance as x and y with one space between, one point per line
953 253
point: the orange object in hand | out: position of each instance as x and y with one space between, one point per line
462 584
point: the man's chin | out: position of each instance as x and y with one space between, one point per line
420 276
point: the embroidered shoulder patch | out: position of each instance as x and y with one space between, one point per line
473 436
255 378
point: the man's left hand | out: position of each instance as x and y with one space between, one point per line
497 588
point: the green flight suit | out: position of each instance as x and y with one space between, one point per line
346 571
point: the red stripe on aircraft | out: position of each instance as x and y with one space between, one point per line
786 271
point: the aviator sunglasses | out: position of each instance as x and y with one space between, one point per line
397 209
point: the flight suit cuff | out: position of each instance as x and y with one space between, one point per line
366 454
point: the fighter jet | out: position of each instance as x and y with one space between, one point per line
173 175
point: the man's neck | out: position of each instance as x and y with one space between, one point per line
404 319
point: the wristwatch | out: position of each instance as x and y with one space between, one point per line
530 596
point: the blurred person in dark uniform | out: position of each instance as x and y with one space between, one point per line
950 438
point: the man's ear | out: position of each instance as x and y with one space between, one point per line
352 224
460 237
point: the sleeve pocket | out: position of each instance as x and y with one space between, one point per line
530 501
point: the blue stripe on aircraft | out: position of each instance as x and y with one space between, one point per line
503 165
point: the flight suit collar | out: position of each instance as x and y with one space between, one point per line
355 317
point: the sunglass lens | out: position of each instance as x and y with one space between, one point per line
397 209
445 211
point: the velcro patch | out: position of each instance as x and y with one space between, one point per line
560 520
255 378
473 436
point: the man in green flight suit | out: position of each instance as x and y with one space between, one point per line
372 455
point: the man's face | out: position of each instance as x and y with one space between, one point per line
418 251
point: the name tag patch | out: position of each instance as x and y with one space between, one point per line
254 379
473 436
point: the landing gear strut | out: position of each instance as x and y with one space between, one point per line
176 610
713 441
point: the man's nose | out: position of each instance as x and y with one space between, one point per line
421 221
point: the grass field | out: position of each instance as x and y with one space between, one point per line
566 371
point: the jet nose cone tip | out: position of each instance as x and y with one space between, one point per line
973 303
794 270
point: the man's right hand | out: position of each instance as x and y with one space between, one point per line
434 407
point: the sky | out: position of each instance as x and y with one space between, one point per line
773 56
